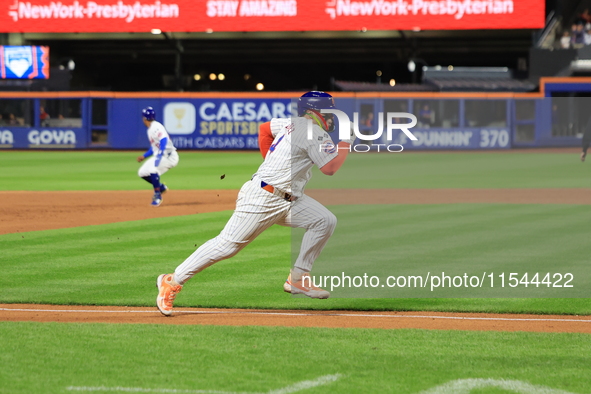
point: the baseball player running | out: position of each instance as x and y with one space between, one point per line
275 195
162 155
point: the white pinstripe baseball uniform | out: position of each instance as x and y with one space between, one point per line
170 158
287 168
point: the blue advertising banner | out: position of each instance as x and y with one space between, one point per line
220 124
231 121
33 138
463 138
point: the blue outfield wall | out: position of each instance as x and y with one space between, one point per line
211 124
231 122
43 138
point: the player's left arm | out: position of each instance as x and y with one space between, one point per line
333 166
148 153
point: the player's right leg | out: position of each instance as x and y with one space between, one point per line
147 168
167 291
168 161
256 210
319 223
151 174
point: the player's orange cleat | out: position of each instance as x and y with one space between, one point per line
287 284
167 291
306 287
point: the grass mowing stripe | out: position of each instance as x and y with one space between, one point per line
117 264
476 239
458 170
116 170
48 357
303 385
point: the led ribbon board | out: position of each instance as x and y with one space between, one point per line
24 62
96 16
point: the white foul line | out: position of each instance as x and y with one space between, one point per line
307 384
302 314
303 385
465 386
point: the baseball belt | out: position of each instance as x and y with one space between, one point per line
277 192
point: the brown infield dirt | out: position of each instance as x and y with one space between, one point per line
36 211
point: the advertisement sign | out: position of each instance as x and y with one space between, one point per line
461 138
24 62
229 124
98 16
41 138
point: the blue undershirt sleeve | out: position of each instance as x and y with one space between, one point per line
149 152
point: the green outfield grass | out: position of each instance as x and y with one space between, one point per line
117 264
96 170
59 358
433 170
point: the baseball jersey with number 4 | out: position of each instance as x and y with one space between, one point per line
292 155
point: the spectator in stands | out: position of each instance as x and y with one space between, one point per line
426 116
577 36
565 40
587 36
2 121
403 108
12 120
584 17
44 117
367 121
